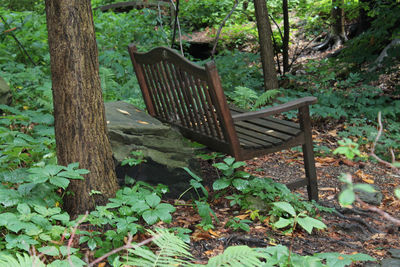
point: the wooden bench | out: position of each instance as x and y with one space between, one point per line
191 98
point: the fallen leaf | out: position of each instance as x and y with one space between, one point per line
101 264
143 122
365 177
349 162
213 233
123 111
243 216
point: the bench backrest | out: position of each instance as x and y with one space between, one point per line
187 96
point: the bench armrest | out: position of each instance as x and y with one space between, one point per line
295 104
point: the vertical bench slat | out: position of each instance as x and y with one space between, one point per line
162 92
153 91
211 107
174 97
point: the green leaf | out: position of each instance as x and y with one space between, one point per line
240 184
221 166
347 197
195 176
150 217
282 223
60 182
49 250
23 208
221 184
63 217
285 206
70 174
308 223
229 161
365 187
238 164
397 192
92 244
152 200
83 239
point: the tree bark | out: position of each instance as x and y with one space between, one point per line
80 124
266 47
337 28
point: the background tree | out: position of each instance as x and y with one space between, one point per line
266 47
80 124
285 39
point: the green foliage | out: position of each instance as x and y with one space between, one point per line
136 159
19 260
347 196
172 251
348 148
302 219
231 176
238 224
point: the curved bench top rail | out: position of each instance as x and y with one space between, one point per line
160 54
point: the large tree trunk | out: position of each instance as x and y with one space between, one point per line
80 124
266 48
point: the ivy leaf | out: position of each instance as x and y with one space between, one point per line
347 197
221 184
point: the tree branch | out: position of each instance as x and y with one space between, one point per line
222 25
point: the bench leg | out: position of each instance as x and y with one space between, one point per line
308 154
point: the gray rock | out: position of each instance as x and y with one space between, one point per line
390 262
165 150
370 198
395 253
5 92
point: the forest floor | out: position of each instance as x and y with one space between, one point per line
349 230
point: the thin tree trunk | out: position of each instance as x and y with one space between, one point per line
285 41
266 47
337 29
80 124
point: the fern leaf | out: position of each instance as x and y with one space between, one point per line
19 260
172 252
266 98
237 256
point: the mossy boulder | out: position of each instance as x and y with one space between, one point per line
165 150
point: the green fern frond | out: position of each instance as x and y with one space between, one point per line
172 251
237 256
266 97
19 260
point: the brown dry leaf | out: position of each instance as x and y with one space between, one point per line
123 111
333 133
349 162
143 122
213 233
243 216
200 235
327 189
209 252
365 177
101 264
379 236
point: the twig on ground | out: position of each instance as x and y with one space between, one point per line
382 213
372 153
360 221
72 237
127 246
